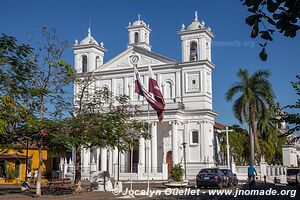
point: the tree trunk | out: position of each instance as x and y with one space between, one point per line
254 131
251 139
78 168
39 176
257 143
252 134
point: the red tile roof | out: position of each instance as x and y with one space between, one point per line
8 155
219 126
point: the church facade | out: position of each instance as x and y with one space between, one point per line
188 125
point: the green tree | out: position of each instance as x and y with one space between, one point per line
267 15
100 120
49 87
270 131
255 96
16 71
291 114
239 144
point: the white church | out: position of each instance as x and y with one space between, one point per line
187 89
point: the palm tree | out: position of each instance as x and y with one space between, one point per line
255 97
268 123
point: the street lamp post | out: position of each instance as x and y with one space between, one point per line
118 164
184 156
148 163
26 161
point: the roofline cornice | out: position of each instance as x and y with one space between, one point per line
188 32
85 46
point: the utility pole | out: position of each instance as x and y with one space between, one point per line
227 144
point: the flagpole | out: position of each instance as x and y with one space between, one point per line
131 157
148 142
148 150
156 101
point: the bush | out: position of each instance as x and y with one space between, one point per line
177 173
10 174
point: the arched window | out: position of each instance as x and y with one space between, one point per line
168 90
193 51
2 169
195 137
136 37
105 94
84 64
98 62
17 169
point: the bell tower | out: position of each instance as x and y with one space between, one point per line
139 34
88 54
196 41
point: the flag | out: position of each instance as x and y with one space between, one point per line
154 89
141 90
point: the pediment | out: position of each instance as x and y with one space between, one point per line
146 58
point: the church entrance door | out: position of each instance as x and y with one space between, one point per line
169 161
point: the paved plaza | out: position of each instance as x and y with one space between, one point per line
158 191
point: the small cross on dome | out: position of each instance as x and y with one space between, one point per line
89 32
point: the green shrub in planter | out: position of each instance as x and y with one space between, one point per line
177 173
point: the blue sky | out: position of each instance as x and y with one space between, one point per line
109 19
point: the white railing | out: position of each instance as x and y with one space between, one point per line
271 173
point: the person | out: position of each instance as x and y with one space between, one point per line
251 172
29 175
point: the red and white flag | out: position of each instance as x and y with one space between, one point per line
141 90
154 89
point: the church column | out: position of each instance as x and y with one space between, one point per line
97 158
93 155
85 160
183 50
141 164
113 88
89 66
201 141
175 148
122 162
104 159
141 151
77 63
148 156
177 86
210 141
115 162
154 147
205 141
110 161
115 155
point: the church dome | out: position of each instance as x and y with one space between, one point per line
195 25
139 22
89 39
